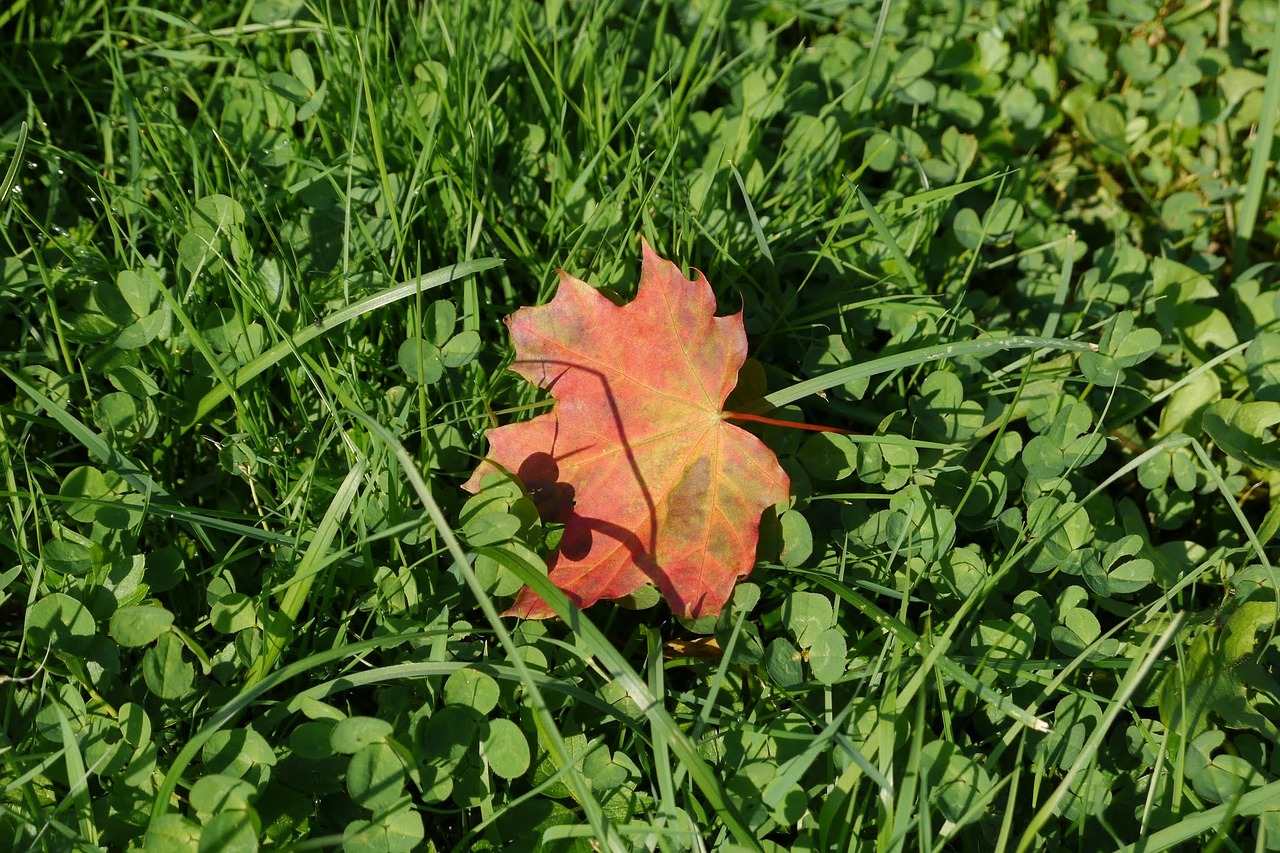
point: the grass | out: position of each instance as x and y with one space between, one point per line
256 261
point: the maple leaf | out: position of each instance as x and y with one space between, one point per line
637 459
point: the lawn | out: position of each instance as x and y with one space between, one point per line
1014 265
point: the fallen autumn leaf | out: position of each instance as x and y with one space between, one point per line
636 458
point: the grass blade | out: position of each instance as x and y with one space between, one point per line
280 626
1138 669
604 831
899 361
1260 159
369 304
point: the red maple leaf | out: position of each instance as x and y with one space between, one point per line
637 459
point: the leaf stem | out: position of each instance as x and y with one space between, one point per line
761 419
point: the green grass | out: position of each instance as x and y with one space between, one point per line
255 261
